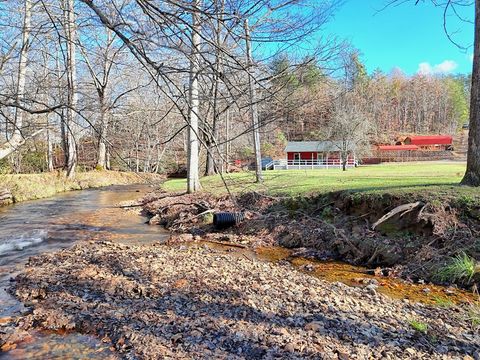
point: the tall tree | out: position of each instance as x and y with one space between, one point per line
193 180
253 106
17 139
472 175
71 70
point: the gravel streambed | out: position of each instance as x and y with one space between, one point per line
153 302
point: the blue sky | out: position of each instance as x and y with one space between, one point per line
406 36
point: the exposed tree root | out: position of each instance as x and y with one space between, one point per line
402 210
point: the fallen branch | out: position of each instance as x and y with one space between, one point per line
402 210
131 206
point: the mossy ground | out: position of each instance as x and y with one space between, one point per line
37 186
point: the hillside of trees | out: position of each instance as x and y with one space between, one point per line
78 90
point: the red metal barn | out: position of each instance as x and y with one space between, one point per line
432 142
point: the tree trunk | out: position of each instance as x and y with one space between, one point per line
70 31
193 180
472 175
102 146
17 140
253 108
108 162
227 140
49 150
212 166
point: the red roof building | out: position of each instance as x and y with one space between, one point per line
397 147
429 140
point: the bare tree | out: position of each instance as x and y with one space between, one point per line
193 179
17 139
253 106
71 69
349 129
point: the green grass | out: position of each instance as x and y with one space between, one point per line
436 177
418 326
473 316
461 268
443 302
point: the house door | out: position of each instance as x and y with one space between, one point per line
320 159
296 158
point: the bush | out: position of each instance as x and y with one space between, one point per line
5 167
34 162
246 152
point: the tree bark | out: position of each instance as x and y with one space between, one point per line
253 108
102 146
49 150
17 139
193 180
212 166
70 31
472 175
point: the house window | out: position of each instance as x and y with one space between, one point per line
296 158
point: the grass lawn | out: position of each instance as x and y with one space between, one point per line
436 177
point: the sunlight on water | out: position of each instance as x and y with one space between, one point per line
20 242
36 227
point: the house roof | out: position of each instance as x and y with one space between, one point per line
397 147
429 140
315 146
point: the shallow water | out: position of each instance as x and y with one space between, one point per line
52 224
356 276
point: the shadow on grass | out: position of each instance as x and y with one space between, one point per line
300 189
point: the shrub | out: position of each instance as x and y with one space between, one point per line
34 162
246 152
460 268
268 149
5 166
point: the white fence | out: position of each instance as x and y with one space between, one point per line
307 164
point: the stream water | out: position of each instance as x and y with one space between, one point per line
41 226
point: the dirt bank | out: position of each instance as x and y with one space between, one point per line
157 301
22 187
415 243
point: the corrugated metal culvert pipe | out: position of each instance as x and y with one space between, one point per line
225 220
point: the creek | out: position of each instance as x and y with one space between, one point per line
47 225
36 227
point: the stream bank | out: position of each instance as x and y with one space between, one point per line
16 188
363 229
